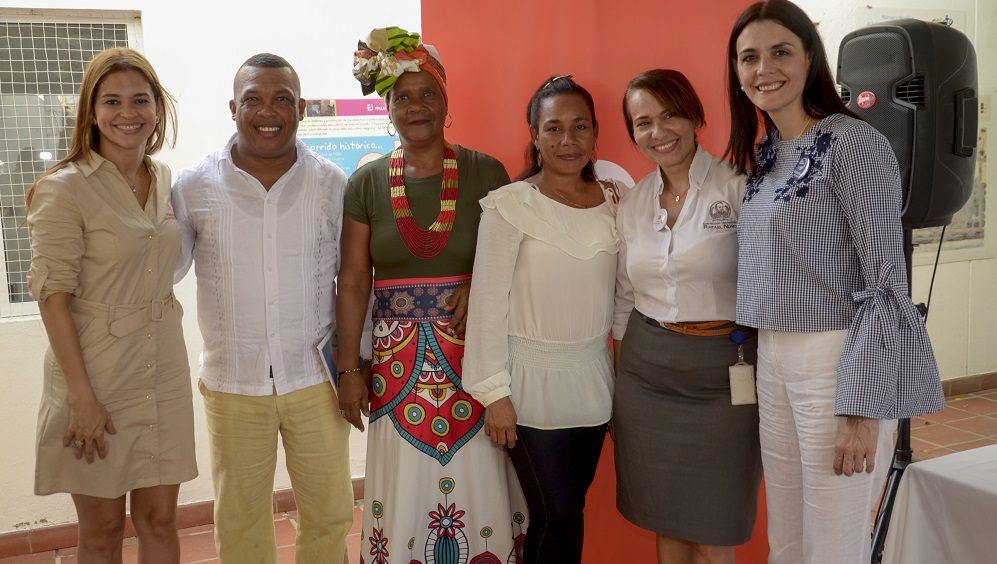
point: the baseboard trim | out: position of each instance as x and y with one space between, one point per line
44 539
969 384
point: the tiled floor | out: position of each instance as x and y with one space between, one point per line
969 421
197 545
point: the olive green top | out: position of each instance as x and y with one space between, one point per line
368 200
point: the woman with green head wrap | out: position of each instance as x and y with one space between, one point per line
437 490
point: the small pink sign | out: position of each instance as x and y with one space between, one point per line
361 107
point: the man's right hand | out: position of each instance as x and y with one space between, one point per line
353 396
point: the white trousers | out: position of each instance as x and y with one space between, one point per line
814 516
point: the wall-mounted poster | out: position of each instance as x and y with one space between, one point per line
349 133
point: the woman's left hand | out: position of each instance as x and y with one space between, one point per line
500 422
457 303
855 445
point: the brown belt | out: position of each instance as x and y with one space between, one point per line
717 328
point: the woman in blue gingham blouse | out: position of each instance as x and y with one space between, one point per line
821 274
823 251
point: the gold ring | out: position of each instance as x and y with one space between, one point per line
77 443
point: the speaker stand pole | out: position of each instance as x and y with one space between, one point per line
902 454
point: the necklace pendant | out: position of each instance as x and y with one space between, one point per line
677 198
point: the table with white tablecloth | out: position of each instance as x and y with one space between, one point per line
946 511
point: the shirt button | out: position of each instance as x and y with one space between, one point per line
148 270
151 427
148 397
148 335
150 237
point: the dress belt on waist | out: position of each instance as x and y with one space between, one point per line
126 318
716 328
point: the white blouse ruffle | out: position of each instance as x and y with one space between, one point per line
541 308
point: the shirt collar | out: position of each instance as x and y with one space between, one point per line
301 150
96 161
698 170
89 166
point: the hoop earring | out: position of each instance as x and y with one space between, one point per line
391 129
449 121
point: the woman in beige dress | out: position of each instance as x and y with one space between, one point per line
116 414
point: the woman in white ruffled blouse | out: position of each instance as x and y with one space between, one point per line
541 309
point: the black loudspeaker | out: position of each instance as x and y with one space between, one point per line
916 82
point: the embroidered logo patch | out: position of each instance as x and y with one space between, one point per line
721 217
810 165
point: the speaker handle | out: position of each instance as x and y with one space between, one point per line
967 117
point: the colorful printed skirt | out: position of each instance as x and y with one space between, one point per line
437 490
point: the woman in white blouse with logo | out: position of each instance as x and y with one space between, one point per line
540 312
685 422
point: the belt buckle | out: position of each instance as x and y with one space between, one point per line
156 310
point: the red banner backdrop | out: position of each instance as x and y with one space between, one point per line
497 53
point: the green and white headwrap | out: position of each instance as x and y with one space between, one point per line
389 52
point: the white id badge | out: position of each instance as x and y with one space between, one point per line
742 384
742 381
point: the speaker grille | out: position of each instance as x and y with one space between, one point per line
912 91
845 93
875 62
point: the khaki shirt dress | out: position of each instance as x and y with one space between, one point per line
90 238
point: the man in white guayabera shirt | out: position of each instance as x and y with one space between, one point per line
260 221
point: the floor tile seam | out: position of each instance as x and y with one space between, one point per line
933 445
976 437
955 404
963 414
957 427
934 429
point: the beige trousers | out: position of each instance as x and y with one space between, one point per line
242 431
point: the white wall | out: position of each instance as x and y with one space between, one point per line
196 48
964 301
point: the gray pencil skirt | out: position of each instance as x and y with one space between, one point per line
687 462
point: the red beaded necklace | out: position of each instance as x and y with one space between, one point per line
424 243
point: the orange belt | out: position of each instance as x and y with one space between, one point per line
717 328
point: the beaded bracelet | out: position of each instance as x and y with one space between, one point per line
342 372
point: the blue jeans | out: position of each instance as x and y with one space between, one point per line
555 469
